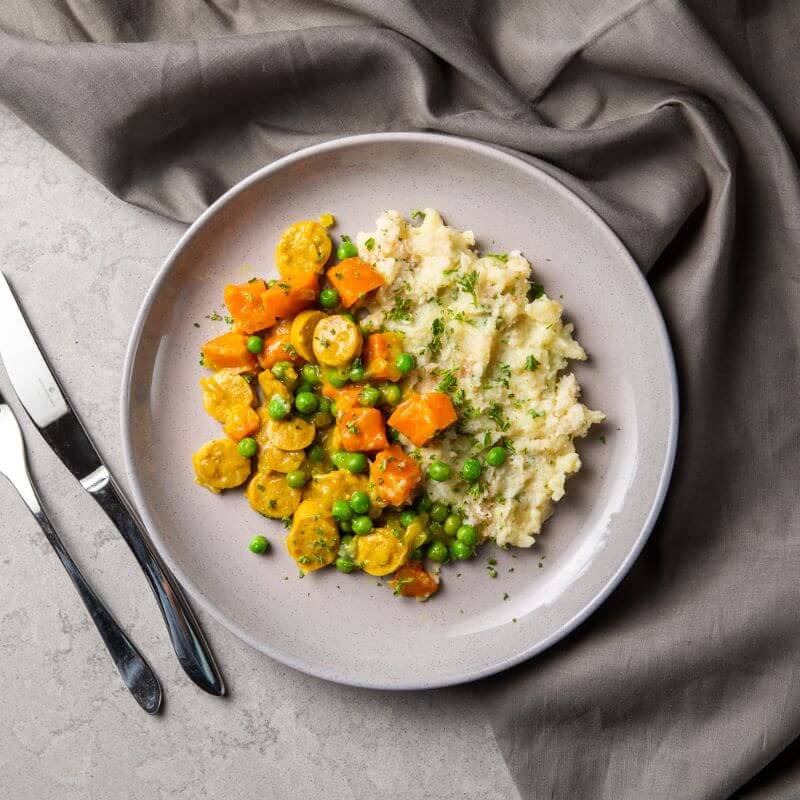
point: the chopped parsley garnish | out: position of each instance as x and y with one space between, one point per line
370 244
535 292
495 414
401 310
401 582
435 344
229 320
536 413
468 283
290 349
531 363
499 256
214 317
448 382
420 215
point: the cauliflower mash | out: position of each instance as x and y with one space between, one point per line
398 407
488 335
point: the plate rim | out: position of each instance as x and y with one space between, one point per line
332 674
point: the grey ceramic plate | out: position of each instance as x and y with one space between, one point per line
348 628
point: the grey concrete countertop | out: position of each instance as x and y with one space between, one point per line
81 261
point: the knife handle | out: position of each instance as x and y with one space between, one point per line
190 645
131 665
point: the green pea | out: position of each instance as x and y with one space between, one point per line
407 517
357 371
281 369
339 458
296 479
437 551
435 529
255 344
391 394
439 512
258 544
341 510
316 453
452 524
355 462
439 471
306 402
361 525
305 386
496 456
471 470
369 396
424 504
348 315
405 363
310 373
324 405
278 408
347 548
466 534
322 419
329 297
460 551
334 408
345 565
345 526
391 434
346 249
336 377
248 447
359 502
417 555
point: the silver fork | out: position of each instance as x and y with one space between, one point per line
134 670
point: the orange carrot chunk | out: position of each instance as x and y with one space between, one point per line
278 347
289 296
380 356
395 476
229 350
420 417
353 278
411 580
245 302
362 429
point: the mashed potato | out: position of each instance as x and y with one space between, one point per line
483 331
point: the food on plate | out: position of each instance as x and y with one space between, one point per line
399 408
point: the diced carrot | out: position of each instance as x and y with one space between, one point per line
353 278
228 350
420 417
362 429
241 421
395 475
411 580
380 356
255 306
289 296
278 347
345 399
245 302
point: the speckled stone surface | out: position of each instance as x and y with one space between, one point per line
81 261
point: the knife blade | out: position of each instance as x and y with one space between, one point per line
50 410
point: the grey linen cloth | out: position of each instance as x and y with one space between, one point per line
678 125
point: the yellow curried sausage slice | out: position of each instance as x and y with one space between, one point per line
270 458
219 465
269 494
303 247
337 340
271 386
384 550
289 434
302 332
224 390
337 485
313 540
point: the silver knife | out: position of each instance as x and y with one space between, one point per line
48 407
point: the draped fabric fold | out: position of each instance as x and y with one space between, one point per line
679 125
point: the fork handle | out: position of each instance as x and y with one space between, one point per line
188 641
134 670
